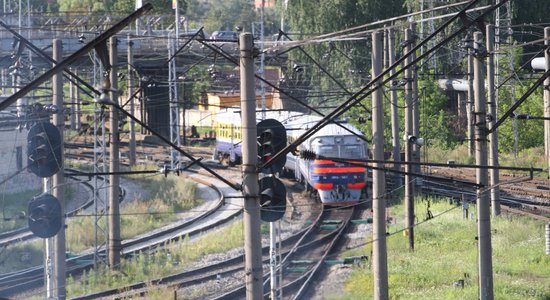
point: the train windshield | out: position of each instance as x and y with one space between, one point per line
344 151
330 151
351 151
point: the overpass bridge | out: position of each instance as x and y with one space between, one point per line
150 54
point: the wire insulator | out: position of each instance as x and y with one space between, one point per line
308 155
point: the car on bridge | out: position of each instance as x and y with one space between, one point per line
225 35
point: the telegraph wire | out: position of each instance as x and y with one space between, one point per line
368 89
234 61
361 27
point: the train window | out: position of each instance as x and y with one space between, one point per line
327 150
350 151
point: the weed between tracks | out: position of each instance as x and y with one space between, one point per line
172 259
170 196
446 252
14 209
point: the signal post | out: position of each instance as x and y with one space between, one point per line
58 180
251 216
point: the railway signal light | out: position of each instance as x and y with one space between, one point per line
271 139
44 149
272 199
414 139
44 215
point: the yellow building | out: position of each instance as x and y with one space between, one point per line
218 101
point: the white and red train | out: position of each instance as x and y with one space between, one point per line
337 183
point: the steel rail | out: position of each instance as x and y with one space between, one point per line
17 282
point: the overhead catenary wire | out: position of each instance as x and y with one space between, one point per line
367 90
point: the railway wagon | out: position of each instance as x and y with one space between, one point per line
336 183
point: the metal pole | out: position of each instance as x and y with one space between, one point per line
132 144
409 185
273 263
470 100
483 202
379 251
493 113
394 107
176 93
174 106
49 251
252 237
547 95
114 245
58 180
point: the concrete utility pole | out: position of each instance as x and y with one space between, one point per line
386 50
483 203
409 184
415 108
493 113
461 105
252 236
547 95
394 108
58 180
114 245
78 124
132 143
470 100
72 99
379 250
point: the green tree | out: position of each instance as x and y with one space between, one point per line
346 59
227 14
116 6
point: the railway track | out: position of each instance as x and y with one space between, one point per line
522 203
217 215
313 242
304 261
23 234
187 279
324 230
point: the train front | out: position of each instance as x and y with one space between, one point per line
339 183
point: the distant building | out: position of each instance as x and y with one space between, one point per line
219 101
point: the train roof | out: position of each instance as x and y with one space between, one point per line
295 122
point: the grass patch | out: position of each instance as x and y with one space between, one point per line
173 258
14 209
446 250
534 157
170 196
21 256
458 154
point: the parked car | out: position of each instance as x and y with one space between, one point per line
225 35
201 35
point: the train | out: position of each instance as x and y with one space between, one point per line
335 183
